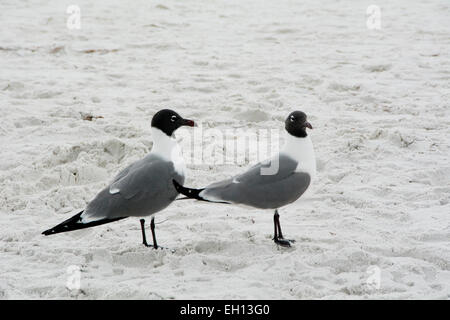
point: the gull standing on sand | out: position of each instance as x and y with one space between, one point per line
261 188
144 187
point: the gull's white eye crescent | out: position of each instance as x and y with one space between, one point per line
173 118
292 119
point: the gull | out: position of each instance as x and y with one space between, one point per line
270 184
141 189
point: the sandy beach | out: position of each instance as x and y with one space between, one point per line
76 105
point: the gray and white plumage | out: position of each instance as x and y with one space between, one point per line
271 184
144 187
141 189
257 187
261 191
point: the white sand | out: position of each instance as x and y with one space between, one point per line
378 99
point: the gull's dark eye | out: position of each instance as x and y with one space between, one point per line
173 118
292 119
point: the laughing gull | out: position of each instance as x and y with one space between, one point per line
141 189
263 187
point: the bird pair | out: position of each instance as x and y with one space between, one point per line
151 184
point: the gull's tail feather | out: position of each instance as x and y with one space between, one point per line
75 223
188 192
193 193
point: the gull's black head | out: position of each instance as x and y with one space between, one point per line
168 121
296 124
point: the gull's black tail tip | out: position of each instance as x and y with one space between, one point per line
188 192
68 225
75 223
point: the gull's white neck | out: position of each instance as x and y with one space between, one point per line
167 148
302 151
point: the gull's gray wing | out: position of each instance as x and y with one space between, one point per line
261 191
141 189
134 179
124 172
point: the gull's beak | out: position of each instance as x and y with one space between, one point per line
308 125
187 122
